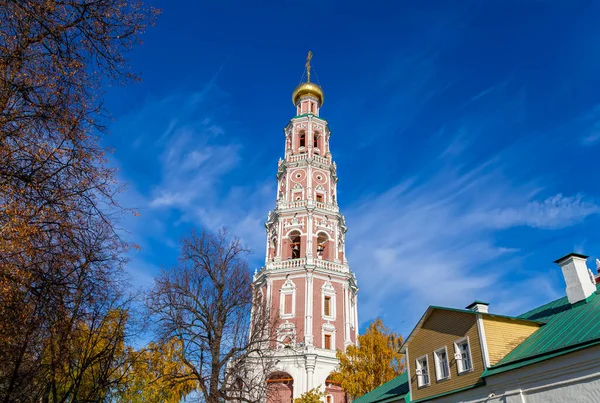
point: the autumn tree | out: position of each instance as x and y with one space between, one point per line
61 256
155 374
206 302
374 360
312 396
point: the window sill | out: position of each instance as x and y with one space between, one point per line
286 316
423 386
443 379
465 372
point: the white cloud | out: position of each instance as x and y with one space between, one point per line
557 211
431 240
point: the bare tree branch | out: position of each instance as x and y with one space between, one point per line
207 303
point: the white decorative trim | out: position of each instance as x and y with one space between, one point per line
285 330
286 289
419 379
327 290
329 330
459 361
483 342
438 368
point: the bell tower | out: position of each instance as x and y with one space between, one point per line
306 279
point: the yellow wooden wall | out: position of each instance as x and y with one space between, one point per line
443 328
503 335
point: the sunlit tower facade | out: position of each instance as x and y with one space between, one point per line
306 280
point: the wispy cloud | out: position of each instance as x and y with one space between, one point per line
557 211
185 166
591 127
433 238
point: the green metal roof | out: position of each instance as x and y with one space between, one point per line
395 389
568 328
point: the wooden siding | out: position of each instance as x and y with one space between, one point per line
503 335
443 328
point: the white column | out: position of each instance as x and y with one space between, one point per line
310 363
267 249
336 257
308 322
356 317
269 284
280 235
346 316
309 238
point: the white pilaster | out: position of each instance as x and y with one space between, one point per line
346 316
308 325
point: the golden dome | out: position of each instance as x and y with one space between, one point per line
308 89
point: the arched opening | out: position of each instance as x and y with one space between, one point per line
280 388
316 137
295 244
322 252
334 391
302 140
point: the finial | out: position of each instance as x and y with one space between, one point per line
308 66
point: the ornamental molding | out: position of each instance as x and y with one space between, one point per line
327 288
328 327
323 223
288 287
295 222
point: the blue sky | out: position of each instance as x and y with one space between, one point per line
466 133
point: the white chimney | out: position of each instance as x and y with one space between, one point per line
478 306
577 276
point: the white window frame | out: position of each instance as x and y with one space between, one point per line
438 368
328 291
328 329
419 366
286 289
459 361
332 340
320 193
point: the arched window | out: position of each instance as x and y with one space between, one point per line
280 387
295 244
316 140
321 245
302 139
333 388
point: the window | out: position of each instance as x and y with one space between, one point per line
442 369
329 399
328 302
287 296
321 246
316 141
320 198
327 306
287 304
327 342
463 356
295 244
422 371
302 140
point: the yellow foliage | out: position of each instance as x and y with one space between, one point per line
157 375
375 359
312 396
